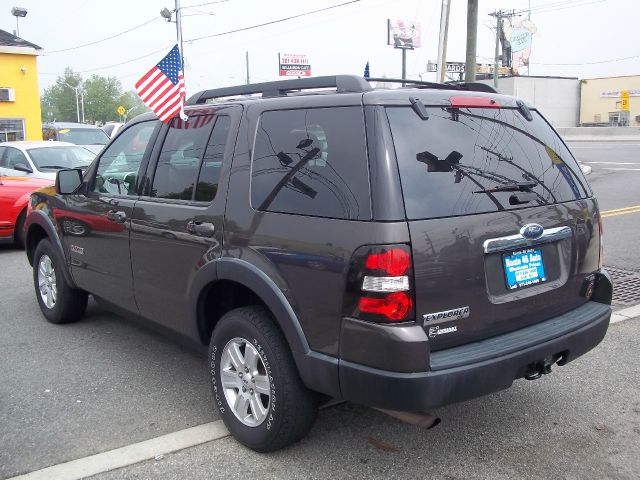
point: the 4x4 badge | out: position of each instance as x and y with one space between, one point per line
453 314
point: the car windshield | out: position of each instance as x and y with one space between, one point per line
60 157
83 136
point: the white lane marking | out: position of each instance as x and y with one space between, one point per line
134 453
616 163
625 169
625 314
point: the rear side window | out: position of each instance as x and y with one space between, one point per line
449 161
179 160
312 162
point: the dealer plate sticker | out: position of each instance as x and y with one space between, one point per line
524 268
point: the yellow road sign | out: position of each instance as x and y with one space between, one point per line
624 104
624 94
120 110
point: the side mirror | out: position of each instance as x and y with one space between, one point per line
68 181
21 167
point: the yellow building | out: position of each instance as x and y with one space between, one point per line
602 102
19 97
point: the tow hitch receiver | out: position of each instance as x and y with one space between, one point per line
537 369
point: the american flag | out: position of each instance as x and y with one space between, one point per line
197 118
162 87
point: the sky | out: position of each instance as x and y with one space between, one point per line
574 38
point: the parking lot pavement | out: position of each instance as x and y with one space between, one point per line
582 421
73 390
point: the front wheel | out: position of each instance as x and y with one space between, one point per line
58 302
256 387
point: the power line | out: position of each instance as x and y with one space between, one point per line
106 38
272 21
203 4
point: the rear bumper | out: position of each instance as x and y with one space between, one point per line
479 368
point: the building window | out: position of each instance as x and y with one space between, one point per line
619 119
11 129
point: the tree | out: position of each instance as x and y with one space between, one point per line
133 104
102 97
59 100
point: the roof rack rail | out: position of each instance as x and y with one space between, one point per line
342 83
471 86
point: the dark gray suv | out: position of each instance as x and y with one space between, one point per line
400 248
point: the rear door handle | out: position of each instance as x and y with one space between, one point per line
117 216
203 229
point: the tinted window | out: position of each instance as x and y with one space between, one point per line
83 136
119 164
179 159
211 167
446 160
312 162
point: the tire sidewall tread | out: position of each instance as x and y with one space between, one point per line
70 303
293 408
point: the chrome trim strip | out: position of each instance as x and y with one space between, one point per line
513 242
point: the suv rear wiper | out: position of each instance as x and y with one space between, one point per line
510 187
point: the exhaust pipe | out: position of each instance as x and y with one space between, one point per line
536 370
419 419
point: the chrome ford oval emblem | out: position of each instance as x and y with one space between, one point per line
532 231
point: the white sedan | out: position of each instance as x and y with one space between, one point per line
41 159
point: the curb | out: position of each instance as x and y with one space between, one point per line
625 314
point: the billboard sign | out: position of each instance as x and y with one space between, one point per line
403 34
294 65
518 32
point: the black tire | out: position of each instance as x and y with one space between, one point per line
70 303
292 408
18 233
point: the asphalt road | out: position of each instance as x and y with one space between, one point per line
70 391
615 180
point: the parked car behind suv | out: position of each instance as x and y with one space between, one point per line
90 137
402 249
42 159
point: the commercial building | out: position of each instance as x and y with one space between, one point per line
603 101
19 97
557 98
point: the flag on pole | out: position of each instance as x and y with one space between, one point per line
366 70
162 88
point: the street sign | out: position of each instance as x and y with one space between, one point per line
120 110
624 100
293 65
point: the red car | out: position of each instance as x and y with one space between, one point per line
14 197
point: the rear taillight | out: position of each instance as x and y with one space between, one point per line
379 285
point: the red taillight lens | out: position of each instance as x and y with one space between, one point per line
394 262
394 306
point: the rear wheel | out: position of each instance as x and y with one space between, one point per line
255 383
58 302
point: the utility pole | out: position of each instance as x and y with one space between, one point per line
498 16
247 65
472 40
442 41
179 34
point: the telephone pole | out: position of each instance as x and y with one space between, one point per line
498 15
442 43
472 40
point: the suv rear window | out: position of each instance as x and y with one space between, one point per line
446 160
312 162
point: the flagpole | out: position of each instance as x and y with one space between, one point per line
179 34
